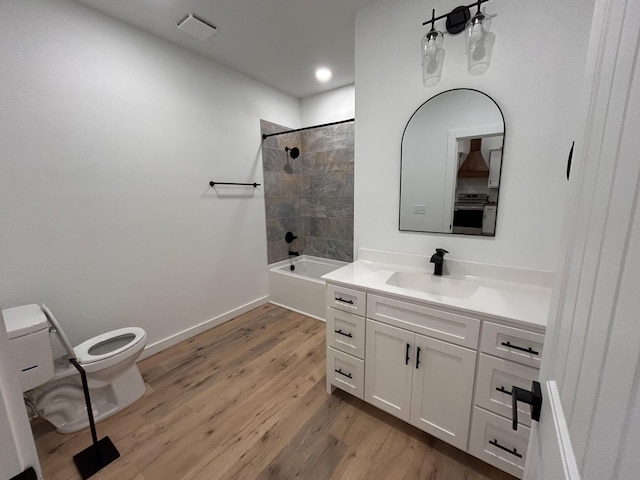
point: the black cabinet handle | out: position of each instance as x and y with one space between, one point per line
342 333
406 358
339 370
513 452
417 357
340 299
533 397
522 349
503 390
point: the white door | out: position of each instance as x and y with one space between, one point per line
590 422
442 389
388 369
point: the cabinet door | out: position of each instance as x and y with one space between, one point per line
388 371
442 389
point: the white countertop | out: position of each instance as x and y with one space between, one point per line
523 299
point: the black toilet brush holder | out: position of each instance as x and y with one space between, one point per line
102 452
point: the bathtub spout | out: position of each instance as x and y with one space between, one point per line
293 254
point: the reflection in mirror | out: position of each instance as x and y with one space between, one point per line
451 163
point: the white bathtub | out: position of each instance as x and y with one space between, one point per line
301 289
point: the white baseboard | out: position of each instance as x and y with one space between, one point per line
160 345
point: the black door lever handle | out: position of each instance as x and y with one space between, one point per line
533 397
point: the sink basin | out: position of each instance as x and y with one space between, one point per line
435 285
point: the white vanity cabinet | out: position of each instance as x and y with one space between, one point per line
448 374
345 339
509 357
423 381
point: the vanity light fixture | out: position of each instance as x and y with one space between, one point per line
432 55
479 41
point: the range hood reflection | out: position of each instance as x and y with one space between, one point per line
474 165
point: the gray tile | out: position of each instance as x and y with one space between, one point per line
273 160
349 133
282 207
271 184
328 228
306 226
340 250
314 207
289 140
315 246
331 184
306 186
276 251
278 227
339 206
291 184
324 138
339 161
267 127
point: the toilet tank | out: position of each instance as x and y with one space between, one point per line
30 346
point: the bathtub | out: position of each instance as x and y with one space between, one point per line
301 289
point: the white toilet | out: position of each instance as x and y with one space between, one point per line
109 360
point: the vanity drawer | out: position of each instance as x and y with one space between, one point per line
496 377
345 332
345 372
450 327
493 440
346 299
512 343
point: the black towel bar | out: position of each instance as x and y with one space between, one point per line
213 184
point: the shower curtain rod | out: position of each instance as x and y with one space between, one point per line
265 135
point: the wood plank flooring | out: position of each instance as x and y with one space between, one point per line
247 400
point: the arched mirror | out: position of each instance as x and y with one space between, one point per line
451 163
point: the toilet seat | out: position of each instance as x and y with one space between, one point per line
82 351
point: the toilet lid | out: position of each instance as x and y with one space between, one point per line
82 351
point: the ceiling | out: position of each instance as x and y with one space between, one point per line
278 42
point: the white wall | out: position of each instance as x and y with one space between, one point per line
109 138
331 106
17 448
535 77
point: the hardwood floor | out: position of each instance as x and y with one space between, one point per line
247 400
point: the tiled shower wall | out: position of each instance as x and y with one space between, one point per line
312 195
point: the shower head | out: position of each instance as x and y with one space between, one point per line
293 152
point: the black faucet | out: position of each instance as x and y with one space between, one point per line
438 260
293 254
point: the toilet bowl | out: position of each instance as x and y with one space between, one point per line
108 359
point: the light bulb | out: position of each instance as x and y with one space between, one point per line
431 48
476 32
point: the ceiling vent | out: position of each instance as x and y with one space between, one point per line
197 28
474 165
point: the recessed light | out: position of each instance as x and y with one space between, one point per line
323 74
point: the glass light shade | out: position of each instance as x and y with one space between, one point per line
432 58
480 42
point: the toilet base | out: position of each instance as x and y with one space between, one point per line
62 400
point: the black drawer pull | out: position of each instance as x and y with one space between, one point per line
406 357
522 349
513 452
417 357
342 333
339 370
502 389
340 299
